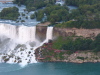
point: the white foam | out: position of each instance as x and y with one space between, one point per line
13 50
49 34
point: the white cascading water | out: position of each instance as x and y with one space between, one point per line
8 30
49 33
22 33
14 43
27 33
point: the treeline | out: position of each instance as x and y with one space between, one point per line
86 16
10 13
34 4
80 24
81 2
54 13
86 13
77 44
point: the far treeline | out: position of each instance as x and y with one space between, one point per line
78 44
32 5
87 15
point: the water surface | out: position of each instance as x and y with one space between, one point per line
51 69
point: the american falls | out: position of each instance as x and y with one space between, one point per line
18 43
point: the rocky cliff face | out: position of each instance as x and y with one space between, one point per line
87 33
41 32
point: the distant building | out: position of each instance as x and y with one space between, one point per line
61 2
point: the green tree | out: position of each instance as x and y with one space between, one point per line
10 13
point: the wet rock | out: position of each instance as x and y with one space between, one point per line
29 52
7 59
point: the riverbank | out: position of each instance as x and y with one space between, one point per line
48 54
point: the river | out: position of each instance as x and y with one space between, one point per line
51 69
28 21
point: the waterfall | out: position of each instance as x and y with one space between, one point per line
8 30
27 33
15 43
22 33
49 34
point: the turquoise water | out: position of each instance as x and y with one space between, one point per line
51 69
